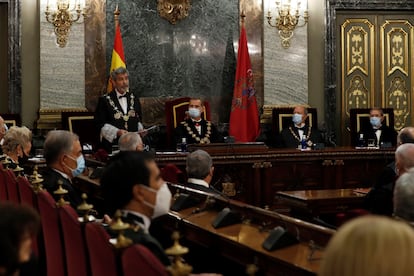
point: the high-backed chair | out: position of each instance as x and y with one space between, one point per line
101 253
26 192
139 258
52 236
82 124
282 118
359 119
74 242
3 186
175 112
11 119
11 184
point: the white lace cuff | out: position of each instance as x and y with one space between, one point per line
109 132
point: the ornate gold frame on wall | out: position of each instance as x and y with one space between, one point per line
173 10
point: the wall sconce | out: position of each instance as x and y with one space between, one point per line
173 10
67 12
287 18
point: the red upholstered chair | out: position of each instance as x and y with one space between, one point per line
52 236
101 253
11 184
171 173
74 242
27 196
3 187
139 258
26 192
175 112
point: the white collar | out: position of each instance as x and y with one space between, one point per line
147 221
64 175
119 94
198 182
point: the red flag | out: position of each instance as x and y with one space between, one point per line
118 57
244 117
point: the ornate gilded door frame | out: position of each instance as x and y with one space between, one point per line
332 87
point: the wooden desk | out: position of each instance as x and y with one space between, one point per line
258 176
317 202
260 173
242 243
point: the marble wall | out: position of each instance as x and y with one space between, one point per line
194 57
285 69
62 70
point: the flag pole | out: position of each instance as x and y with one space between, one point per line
116 15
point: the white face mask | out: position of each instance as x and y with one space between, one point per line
194 112
162 202
297 118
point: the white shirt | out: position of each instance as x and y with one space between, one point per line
198 182
122 101
146 220
198 127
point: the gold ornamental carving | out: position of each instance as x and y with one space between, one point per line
395 33
398 99
357 34
173 10
357 94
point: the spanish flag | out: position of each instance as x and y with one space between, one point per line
244 116
118 57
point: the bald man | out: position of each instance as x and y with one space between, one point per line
130 141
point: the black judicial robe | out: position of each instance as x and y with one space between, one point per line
109 111
388 135
289 137
187 129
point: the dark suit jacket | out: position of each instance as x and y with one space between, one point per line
139 236
379 200
388 135
287 140
181 131
51 178
105 114
202 188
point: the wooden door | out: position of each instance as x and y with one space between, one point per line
375 64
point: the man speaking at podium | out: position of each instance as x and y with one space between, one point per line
118 111
195 129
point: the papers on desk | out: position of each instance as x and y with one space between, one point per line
37 159
362 191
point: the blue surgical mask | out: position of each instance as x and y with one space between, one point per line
194 112
375 121
80 165
297 118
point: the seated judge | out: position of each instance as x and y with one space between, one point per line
142 196
195 129
64 159
292 136
378 130
118 111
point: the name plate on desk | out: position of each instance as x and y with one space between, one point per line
230 148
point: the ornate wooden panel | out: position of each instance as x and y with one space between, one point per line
396 46
357 55
376 68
